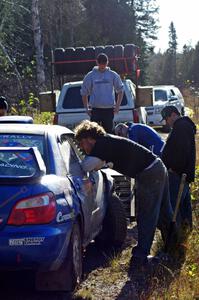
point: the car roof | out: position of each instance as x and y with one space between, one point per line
40 129
165 87
16 119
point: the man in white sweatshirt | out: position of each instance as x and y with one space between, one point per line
101 84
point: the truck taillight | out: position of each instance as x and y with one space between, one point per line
40 209
135 116
55 119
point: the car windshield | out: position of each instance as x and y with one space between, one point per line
14 163
22 140
160 95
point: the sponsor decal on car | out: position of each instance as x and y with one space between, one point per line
28 241
61 218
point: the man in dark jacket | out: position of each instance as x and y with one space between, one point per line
179 157
133 160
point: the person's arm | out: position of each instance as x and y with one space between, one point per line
91 163
86 105
86 91
119 88
118 102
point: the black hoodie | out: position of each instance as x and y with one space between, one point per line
179 153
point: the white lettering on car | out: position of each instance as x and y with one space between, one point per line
28 241
61 218
8 165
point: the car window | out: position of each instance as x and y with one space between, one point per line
73 98
15 163
160 95
23 140
72 161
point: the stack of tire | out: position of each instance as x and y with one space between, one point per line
81 60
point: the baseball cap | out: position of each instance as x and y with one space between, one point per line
168 110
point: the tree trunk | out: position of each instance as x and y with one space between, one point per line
38 46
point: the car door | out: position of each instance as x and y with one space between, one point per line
174 99
89 187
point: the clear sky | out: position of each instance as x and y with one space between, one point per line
184 15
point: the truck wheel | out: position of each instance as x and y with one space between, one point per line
59 55
79 56
69 56
129 54
90 55
98 50
119 63
69 275
114 228
109 51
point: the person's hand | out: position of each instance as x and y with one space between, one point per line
88 111
116 109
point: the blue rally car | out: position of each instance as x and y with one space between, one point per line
50 209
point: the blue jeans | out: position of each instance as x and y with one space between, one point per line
153 207
184 215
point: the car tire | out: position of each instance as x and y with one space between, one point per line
89 55
69 56
74 258
114 227
59 56
98 50
109 51
129 54
69 275
79 56
118 54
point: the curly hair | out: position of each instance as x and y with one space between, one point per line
88 129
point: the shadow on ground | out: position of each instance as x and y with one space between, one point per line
153 280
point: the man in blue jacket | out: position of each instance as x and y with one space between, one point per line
101 84
141 134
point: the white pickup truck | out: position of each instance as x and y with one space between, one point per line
70 110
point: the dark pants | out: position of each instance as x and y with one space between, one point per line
153 207
104 117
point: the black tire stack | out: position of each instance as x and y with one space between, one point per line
80 60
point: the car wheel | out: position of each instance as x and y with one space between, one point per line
74 258
114 228
68 276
